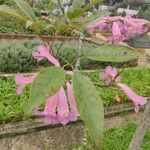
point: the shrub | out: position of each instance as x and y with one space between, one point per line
7 25
17 56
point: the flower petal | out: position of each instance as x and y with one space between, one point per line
137 99
22 81
62 107
110 75
73 114
43 52
49 113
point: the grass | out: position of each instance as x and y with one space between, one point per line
12 105
118 138
138 79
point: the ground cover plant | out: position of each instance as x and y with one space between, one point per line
67 99
119 137
12 105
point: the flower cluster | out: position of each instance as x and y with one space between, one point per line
121 28
59 108
111 75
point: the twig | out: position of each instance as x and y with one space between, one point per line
77 65
104 86
67 63
61 44
62 9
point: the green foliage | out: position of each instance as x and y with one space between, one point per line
145 11
94 17
92 4
48 81
61 24
78 3
136 78
12 105
6 10
26 9
6 2
90 108
8 25
17 56
19 53
118 138
75 13
113 53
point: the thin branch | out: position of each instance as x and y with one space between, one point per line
62 9
104 86
77 65
61 44
67 63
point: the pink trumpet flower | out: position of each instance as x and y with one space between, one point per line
116 33
136 99
22 81
60 108
43 52
73 114
110 75
122 28
49 112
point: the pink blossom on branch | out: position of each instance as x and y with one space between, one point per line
43 52
121 28
73 114
135 98
110 75
60 108
22 81
116 33
49 111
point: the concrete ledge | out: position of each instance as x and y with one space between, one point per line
34 134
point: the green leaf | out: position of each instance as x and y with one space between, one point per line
92 4
78 3
29 23
26 9
46 84
90 107
94 17
12 13
75 13
112 53
37 26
